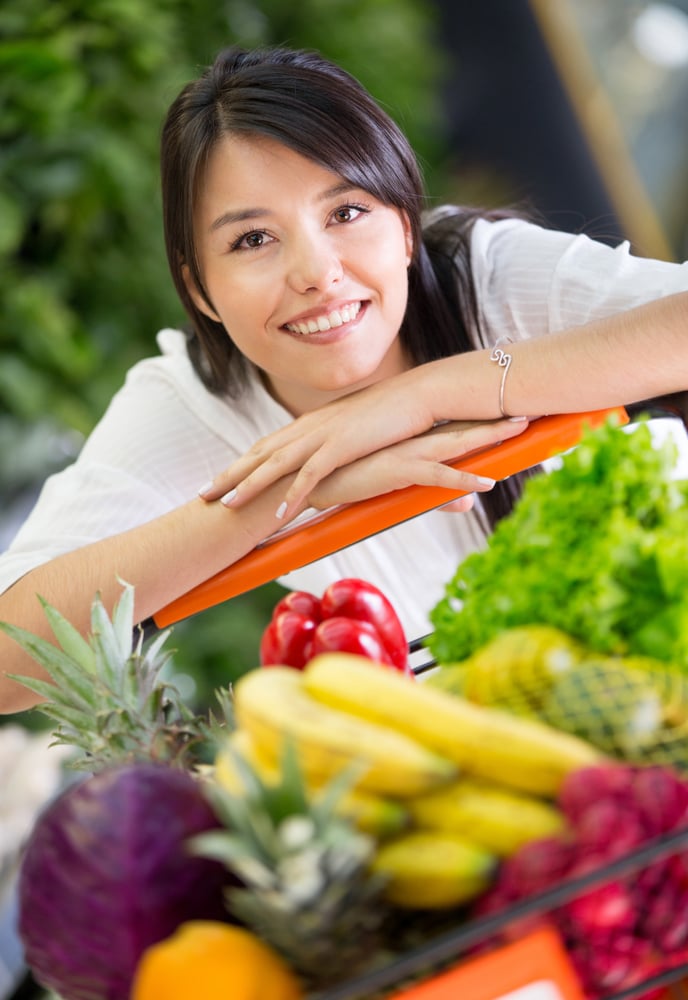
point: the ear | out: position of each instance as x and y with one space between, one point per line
197 297
408 237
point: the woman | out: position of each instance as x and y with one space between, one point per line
315 291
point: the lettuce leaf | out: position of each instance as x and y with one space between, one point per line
598 548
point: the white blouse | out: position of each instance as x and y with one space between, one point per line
164 435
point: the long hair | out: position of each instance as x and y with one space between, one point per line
320 111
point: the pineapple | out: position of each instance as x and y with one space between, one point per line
304 871
107 697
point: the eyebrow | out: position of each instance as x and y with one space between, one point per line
243 215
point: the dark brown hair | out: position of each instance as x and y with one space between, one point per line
323 113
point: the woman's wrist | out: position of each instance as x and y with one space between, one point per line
470 386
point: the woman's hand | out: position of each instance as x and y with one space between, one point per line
419 460
323 440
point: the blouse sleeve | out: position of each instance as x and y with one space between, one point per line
531 281
151 451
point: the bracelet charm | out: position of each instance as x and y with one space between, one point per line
503 359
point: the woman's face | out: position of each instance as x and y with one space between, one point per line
307 274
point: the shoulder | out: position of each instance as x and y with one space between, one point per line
539 280
168 383
508 248
163 421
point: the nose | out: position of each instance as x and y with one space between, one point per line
314 265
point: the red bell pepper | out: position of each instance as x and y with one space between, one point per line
352 616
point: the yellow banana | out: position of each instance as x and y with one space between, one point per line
499 819
486 742
427 870
373 814
381 817
273 706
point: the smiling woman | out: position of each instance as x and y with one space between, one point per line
305 273
339 346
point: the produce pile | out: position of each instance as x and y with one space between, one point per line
337 809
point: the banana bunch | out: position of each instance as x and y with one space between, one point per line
459 834
446 788
485 742
274 706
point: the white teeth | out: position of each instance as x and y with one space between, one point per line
327 322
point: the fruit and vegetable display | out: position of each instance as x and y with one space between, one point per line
335 811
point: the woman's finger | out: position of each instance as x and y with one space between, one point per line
420 461
371 477
322 440
460 506
255 471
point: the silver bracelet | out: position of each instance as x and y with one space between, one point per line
504 361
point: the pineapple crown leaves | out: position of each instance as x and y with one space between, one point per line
106 695
305 884
217 727
267 821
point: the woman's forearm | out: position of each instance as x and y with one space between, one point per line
625 358
162 559
622 359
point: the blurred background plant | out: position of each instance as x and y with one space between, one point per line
495 114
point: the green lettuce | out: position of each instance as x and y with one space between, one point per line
598 548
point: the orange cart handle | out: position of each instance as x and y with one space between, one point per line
346 525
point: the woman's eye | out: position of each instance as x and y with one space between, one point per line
347 213
251 241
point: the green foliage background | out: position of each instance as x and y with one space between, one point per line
84 85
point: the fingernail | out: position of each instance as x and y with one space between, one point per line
281 510
485 481
204 490
517 420
228 497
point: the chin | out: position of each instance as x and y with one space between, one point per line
349 379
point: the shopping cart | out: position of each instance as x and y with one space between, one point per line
517 952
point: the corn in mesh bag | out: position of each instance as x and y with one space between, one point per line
634 708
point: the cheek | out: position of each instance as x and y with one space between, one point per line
384 265
396 282
240 299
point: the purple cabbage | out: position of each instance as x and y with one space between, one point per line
107 872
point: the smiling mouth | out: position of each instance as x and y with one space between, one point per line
328 321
